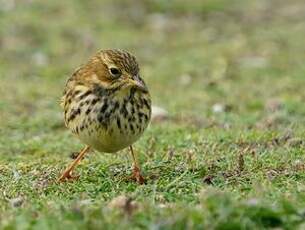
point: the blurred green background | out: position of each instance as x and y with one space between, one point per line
192 55
230 75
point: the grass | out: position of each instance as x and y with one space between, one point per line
229 156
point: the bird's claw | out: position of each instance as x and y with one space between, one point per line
67 176
136 175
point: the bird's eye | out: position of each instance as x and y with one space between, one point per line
115 72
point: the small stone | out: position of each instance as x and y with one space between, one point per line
252 202
162 206
220 108
17 202
40 59
158 113
158 21
16 174
123 203
85 202
118 202
185 79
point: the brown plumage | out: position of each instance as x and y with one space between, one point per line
107 105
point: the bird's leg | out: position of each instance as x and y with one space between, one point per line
136 174
67 173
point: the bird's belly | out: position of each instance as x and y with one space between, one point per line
109 142
115 134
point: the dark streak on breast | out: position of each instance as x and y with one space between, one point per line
85 94
104 107
73 114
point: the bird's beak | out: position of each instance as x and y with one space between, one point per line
137 83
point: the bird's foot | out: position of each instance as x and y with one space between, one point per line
137 176
66 176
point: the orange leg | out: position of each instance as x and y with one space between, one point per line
67 173
136 174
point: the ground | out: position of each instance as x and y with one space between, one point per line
230 152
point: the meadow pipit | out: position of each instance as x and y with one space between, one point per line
107 105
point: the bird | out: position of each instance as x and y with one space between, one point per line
107 105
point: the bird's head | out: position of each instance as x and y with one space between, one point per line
117 68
